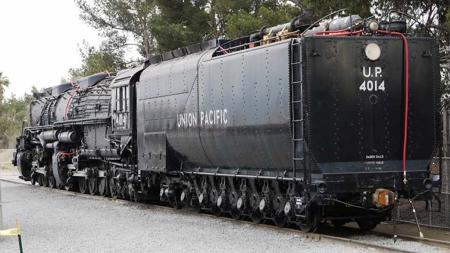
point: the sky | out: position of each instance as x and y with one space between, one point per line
40 41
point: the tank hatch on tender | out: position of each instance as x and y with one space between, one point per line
180 52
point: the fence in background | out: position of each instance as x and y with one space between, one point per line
434 216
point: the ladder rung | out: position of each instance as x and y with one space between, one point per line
296 84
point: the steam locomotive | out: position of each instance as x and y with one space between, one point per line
296 124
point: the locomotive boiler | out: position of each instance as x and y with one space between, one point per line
296 124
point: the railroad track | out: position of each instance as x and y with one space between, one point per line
327 233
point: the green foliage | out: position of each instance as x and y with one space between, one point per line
221 12
323 7
13 112
242 23
106 58
433 14
180 23
121 20
268 14
162 25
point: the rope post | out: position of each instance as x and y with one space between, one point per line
19 237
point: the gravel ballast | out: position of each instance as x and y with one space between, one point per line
57 222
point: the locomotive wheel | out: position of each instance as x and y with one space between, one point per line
51 182
177 202
280 219
216 211
68 187
310 225
256 216
338 223
235 214
185 197
44 181
33 179
102 187
123 192
82 185
113 189
132 193
92 186
40 179
308 228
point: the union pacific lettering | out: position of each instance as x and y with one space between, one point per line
211 118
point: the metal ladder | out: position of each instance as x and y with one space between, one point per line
297 120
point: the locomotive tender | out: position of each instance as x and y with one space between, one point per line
296 124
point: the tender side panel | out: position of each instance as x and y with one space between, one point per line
165 94
244 108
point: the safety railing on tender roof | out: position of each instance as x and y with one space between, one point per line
299 27
221 50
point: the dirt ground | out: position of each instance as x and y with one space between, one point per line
5 159
55 221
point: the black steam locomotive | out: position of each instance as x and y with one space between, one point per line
296 124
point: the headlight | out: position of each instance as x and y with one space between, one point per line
373 51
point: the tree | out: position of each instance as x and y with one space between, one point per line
13 111
121 19
4 82
425 17
106 58
321 8
222 10
257 15
180 23
162 25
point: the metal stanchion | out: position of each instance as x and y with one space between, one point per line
19 237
